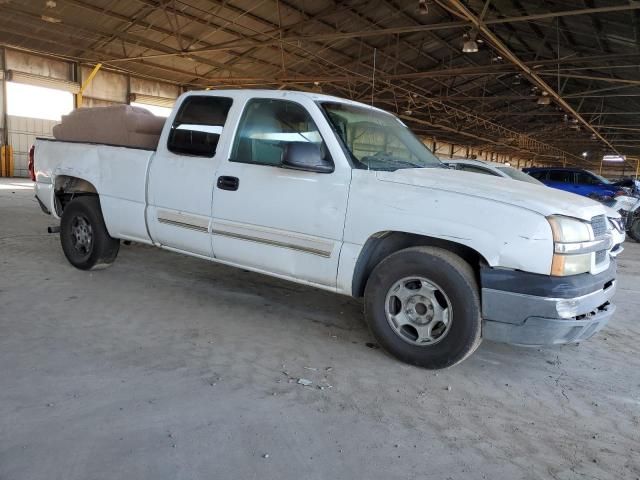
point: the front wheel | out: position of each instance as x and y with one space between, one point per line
634 229
84 237
422 305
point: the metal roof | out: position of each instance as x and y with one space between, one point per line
402 55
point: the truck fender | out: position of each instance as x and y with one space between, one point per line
382 244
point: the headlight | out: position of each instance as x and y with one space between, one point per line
569 230
573 246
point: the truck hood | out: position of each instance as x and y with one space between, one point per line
543 200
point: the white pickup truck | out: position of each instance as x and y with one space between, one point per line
342 196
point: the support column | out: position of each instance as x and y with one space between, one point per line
85 84
4 139
6 152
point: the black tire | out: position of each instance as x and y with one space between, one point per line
84 237
634 229
454 278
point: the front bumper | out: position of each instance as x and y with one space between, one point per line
527 309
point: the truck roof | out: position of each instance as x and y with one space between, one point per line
282 94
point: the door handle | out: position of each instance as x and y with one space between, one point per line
228 183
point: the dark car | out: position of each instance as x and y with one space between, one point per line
575 180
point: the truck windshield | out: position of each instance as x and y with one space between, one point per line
377 140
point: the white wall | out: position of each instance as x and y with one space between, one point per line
22 134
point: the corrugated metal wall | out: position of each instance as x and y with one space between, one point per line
22 134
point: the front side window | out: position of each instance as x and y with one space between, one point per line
198 125
590 178
268 126
376 140
583 178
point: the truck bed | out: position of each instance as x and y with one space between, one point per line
119 173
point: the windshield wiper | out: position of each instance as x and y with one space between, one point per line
389 160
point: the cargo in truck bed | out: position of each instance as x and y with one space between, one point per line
121 125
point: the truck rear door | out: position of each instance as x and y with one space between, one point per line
286 222
182 174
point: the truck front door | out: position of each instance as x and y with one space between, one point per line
182 174
282 221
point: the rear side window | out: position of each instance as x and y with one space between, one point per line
198 126
560 176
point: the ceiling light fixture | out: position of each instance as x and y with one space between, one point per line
544 99
469 44
49 19
614 158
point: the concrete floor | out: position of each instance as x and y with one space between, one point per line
168 367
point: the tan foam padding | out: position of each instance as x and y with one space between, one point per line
122 125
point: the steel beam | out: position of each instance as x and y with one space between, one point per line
482 27
296 39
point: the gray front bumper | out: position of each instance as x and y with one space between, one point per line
551 317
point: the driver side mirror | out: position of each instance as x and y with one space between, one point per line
306 156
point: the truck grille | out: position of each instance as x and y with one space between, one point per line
599 226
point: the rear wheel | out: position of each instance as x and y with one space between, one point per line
422 305
84 237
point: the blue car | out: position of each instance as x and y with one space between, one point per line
575 180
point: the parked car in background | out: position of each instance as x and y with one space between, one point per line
630 185
491 168
628 207
576 180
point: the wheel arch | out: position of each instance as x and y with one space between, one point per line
382 244
67 187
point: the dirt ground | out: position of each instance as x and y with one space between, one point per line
169 367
